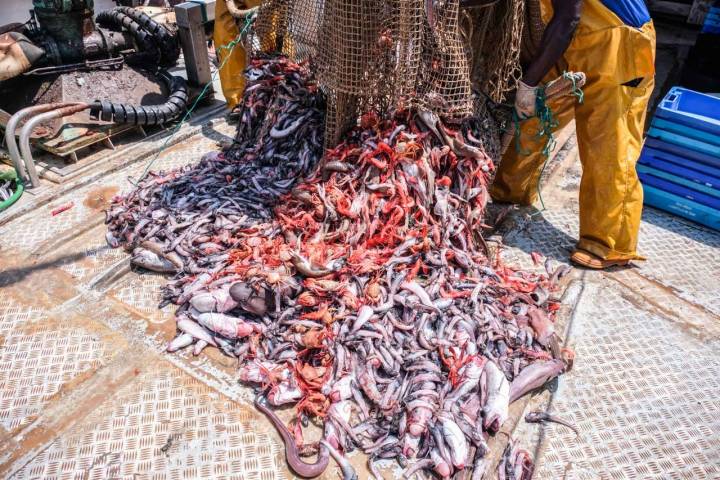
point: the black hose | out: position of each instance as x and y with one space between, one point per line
149 35
167 42
145 114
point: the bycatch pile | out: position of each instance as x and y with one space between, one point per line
365 297
186 220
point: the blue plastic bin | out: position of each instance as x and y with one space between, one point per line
682 152
691 108
686 131
686 143
699 187
682 207
689 170
680 190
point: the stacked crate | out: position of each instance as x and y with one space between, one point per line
712 21
680 162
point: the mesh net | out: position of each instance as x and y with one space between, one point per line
496 34
373 55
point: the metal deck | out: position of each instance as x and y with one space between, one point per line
87 392
645 389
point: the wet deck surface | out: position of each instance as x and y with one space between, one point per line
87 392
645 389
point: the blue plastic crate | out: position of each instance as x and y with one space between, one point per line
712 21
691 108
680 190
686 143
699 187
682 152
686 131
682 207
689 170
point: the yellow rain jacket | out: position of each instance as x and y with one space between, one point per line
226 30
619 62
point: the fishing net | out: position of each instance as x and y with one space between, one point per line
374 55
495 33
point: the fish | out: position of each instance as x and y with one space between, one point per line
284 393
199 347
180 342
184 324
535 376
495 410
218 300
151 261
515 464
348 471
226 325
456 440
355 291
544 328
305 470
539 417
304 267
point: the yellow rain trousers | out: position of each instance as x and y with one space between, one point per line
226 30
619 62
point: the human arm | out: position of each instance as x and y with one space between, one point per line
556 39
558 34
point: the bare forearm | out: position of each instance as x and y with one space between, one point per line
556 39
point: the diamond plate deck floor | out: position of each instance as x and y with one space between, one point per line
643 394
163 425
645 389
87 391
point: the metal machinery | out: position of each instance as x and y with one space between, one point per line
78 79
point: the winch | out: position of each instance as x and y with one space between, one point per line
66 61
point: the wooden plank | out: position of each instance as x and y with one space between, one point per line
71 138
699 11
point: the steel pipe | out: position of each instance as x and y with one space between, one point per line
63 111
12 126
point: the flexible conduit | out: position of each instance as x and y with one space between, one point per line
149 35
149 114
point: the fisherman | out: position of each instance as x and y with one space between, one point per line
613 42
226 30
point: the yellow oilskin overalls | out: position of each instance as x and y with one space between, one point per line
619 62
226 30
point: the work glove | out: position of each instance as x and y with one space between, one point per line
525 100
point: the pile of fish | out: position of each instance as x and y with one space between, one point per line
185 221
366 297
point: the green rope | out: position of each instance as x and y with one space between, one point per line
229 47
548 122
577 91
